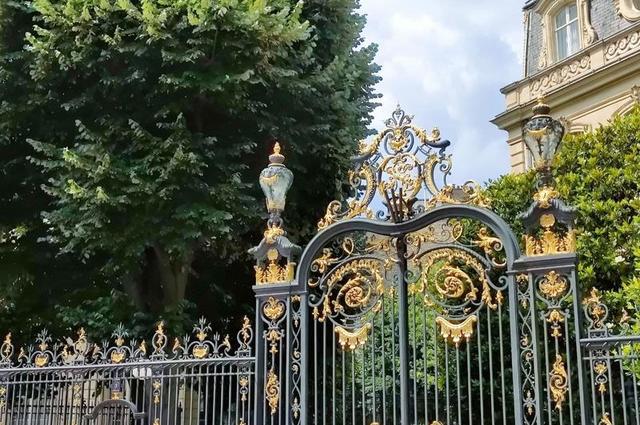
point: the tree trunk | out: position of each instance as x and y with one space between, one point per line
162 283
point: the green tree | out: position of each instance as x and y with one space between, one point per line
596 172
151 120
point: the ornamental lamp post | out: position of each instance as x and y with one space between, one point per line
549 222
542 136
275 181
275 253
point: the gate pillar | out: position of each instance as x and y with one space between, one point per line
549 318
278 397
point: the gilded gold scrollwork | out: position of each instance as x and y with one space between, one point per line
558 382
272 391
595 309
397 165
354 285
449 269
490 245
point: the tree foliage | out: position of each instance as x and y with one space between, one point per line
596 172
146 124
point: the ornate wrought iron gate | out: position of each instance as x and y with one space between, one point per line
410 323
410 318
422 312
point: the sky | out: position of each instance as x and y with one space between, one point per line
444 61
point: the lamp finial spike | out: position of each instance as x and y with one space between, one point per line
276 157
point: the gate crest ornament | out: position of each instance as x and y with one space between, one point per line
400 168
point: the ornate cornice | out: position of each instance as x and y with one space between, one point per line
559 76
622 47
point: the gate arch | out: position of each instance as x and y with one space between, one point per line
396 352
486 216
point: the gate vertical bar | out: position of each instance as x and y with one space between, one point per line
585 412
403 318
515 344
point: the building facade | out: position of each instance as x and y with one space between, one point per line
583 58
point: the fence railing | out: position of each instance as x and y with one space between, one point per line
612 361
179 381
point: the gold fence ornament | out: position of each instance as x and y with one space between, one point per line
545 195
595 309
490 245
456 332
350 340
605 420
558 382
553 285
272 391
397 166
556 318
273 308
6 349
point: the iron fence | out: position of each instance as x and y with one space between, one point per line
180 382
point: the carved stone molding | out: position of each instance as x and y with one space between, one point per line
560 76
628 9
622 47
543 59
589 35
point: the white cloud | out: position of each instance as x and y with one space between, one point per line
444 61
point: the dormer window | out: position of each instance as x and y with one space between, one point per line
567 34
566 28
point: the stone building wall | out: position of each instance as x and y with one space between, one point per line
604 18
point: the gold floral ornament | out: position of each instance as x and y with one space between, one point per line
553 285
6 349
605 420
601 370
556 318
596 311
399 167
558 382
42 355
272 271
273 309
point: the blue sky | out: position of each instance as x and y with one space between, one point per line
444 61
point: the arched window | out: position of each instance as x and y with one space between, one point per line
567 35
